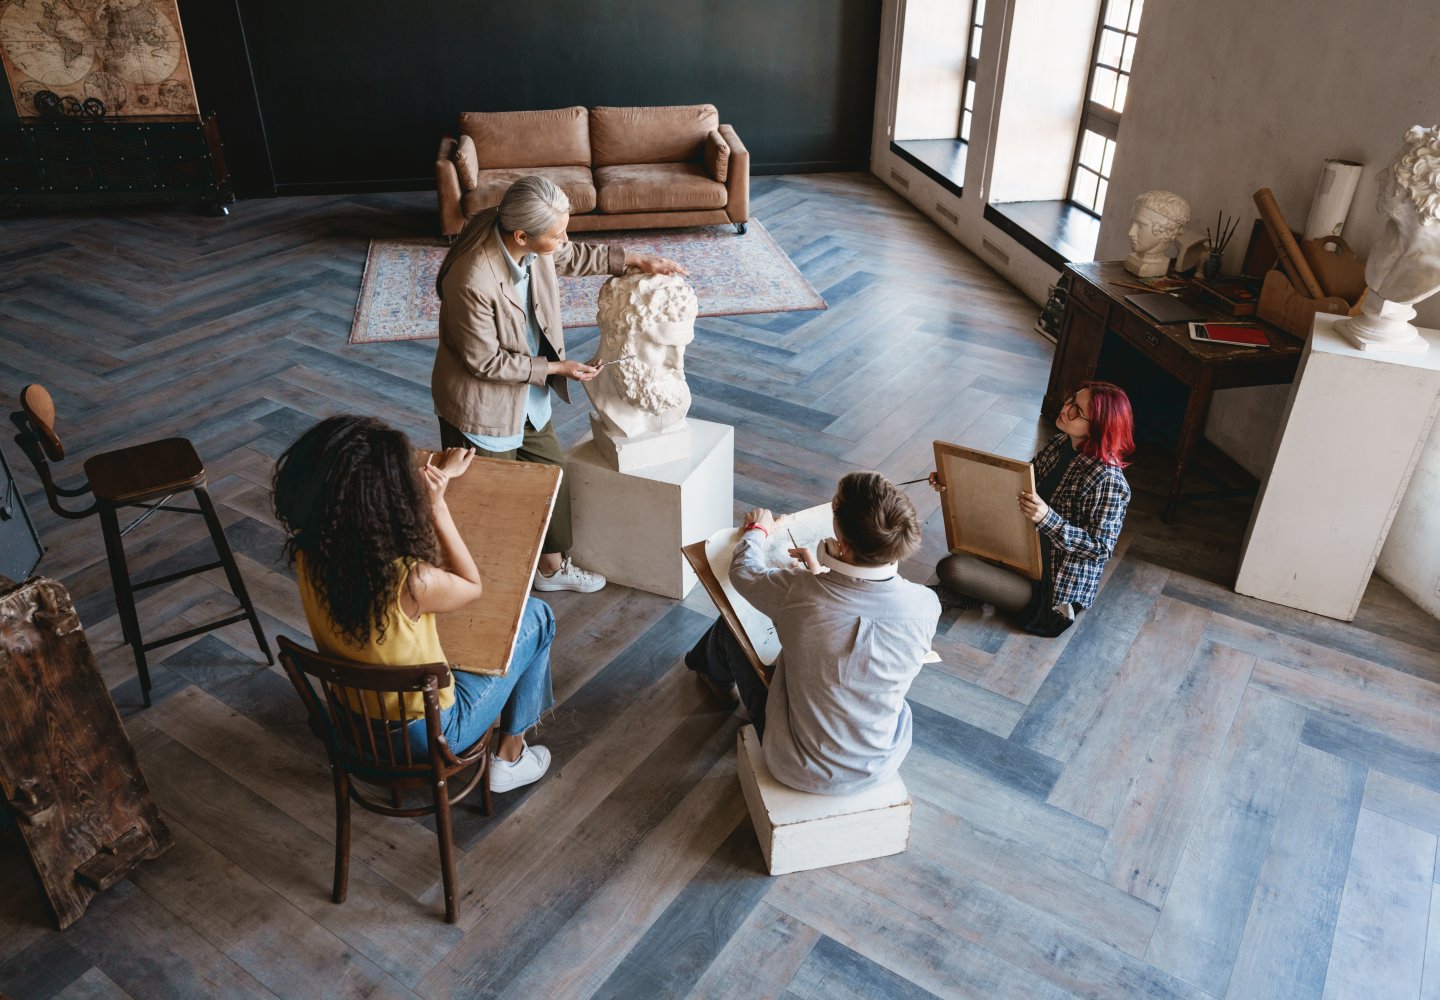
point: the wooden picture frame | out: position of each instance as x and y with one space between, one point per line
980 510
502 509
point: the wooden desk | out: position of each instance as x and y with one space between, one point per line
1096 309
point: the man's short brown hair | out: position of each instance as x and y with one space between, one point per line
876 520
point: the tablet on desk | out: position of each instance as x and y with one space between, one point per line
1165 309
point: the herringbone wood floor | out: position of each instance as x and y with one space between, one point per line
1190 794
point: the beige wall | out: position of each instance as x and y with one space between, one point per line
1227 97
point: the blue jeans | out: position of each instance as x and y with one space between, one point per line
718 656
518 698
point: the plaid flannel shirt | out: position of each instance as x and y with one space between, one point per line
1085 516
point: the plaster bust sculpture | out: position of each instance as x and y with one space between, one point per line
1157 219
652 317
1404 267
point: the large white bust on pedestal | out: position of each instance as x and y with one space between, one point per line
1157 219
640 404
1404 267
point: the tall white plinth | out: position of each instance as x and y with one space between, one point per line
1352 433
630 525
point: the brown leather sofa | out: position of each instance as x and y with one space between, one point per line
623 168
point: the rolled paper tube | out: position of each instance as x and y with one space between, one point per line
1286 249
1333 194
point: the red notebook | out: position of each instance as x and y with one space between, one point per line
1231 334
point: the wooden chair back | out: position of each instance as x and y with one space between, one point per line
376 750
35 421
39 408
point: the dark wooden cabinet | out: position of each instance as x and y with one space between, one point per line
81 163
1077 348
1096 309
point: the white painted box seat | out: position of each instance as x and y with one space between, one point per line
800 830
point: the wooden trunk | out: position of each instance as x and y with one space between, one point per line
67 770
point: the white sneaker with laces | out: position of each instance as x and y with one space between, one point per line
569 577
528 769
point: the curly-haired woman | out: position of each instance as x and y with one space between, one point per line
377 555
1078 507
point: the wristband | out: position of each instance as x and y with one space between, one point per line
759 527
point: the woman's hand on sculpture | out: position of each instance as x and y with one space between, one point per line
806 558
570 368
1033 507
762 517
935 483
452 461
651 264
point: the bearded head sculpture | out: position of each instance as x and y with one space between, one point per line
646 319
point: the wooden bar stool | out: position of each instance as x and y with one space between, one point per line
144 476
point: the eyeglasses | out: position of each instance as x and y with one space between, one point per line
1070 410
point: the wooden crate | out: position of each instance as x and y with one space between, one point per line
799 831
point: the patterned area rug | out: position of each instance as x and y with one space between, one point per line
732 275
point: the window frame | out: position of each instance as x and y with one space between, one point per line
1104 121
972 67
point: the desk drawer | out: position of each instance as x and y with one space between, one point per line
1154 344
1084 294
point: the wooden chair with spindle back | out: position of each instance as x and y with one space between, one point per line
144 476
373 751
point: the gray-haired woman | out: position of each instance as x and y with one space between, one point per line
502 348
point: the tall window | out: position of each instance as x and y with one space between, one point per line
1105 102
972 61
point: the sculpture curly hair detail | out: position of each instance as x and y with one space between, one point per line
1415 174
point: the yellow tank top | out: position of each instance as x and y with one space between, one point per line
408 642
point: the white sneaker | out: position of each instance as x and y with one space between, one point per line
569 577
530 768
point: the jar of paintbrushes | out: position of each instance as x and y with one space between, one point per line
1216 241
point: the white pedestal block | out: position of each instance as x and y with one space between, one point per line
1352 433
630 525
799 831
626 454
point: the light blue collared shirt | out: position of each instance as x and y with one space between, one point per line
537 397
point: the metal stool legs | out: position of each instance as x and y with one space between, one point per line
125 588
124 594
232 572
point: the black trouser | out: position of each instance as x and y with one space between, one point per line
718 656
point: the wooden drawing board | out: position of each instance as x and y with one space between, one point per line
502 509
980 510
694 554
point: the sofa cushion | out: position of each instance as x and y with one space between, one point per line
490 187
717 156
657 187
556 138
465 163
651 135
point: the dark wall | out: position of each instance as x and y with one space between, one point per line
339 94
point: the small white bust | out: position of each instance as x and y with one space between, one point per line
1404 267
1157 219
650 316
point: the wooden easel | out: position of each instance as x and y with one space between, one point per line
67 770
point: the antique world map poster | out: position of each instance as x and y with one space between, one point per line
128 53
